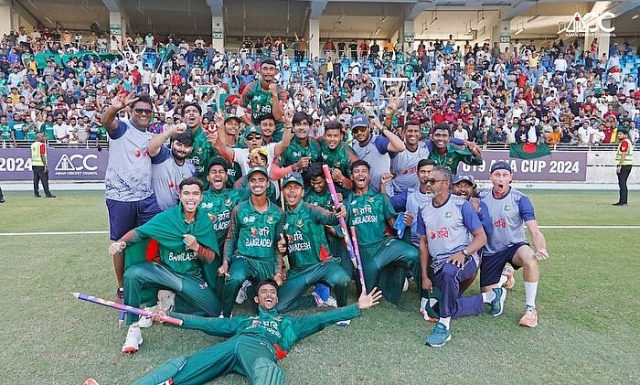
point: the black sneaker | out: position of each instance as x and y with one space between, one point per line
51 196
619 204
36 195
2 200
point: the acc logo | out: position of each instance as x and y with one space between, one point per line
77 162
589 24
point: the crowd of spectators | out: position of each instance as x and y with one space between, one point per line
59 82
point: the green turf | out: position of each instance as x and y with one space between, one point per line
588 303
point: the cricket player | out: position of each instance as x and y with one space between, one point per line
374 149
169 167
301 151
250 250
254 344
385 259
338 155
187 245
511 210
305 243
446 154
202 147
450 236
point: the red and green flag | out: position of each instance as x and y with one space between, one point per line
528 150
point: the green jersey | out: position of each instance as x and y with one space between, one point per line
259 101
322 200
254 234
218 206
31 132
168 229
339 158
454 156
47 129
201 154
369 213
268 325
306 240
296 150
6 130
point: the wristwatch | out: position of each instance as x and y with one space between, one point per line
465 252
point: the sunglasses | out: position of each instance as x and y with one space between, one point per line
143 111
433 181
360 129
254 137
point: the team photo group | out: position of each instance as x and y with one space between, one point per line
258 208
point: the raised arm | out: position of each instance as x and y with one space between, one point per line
118 102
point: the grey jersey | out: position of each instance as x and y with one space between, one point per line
448 228
128 176
416 200
509 214
405 167
166 176
375 153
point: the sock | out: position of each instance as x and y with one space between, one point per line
445 321
530 291
503 280
488 296
134 325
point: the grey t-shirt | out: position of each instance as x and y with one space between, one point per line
166 176
128 176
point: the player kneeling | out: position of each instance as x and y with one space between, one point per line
511 210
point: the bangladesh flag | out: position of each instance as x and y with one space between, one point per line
528 150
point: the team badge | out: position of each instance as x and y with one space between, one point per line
448 214
285 226
199 150
228 202
300 223
137 153
507 208
371 199
270 220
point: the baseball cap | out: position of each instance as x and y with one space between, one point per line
359 121
500 165
464 178
262 151
293 177
231 116
252 130
258 169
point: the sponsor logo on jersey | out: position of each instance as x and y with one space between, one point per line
439 234
501 223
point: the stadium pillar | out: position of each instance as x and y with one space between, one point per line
117 27
314 38
501 33
604 39
6 18
407 35
217 23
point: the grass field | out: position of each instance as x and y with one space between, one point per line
588 301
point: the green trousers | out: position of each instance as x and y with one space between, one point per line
241 269
386 264
299 280
194 292
246 355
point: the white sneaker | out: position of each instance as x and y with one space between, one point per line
343 323
242 293
166 300
331 302
133 341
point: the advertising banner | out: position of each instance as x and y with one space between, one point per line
561 166
64 164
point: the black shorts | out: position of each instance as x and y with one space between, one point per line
492 265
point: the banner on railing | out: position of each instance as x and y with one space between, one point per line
561 166
64 164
